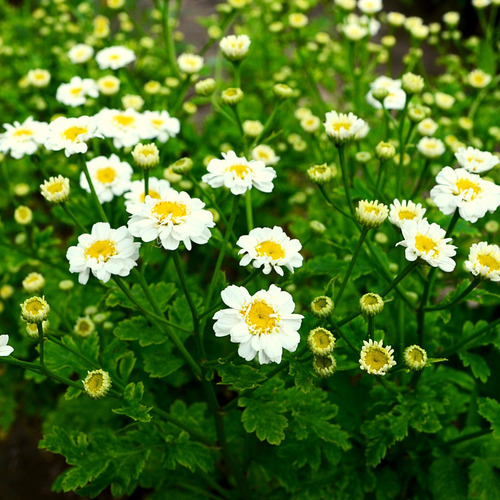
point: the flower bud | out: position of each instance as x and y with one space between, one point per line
371 304
205 87
232 96
385 151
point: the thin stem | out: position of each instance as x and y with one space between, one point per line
72 216
54 339
400 277
346 340
169 41
146 181
420 178
97 203
467 437
362 237
345 178
248 209
331 203
41 341
370 327
466 292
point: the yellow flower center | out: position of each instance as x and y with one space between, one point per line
337 126
416 356
124 120
55 187
35 306
170 210
489 261
473 158
258 318
464 185
371 208
23 132
376 358
114 57
271 249
95 382
76 91
32 279
370 300
406 215
151 193
72 133
101 250
240 170
83 326
320 304
157 122
321 339
106 175
23 212
425 244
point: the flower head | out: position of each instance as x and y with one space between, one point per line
402 211
23 138
375 358
23 215
173 218
110 177
394 98
114 57
270 249
263 323
71 134
34 282
415 357
190 63
322 306
84 326
324 366
38 77
265 153
146 156
126 128
430 147
428 242
104 251
80 53
476 161
469 193
320 174
484 261
371 214
341 127
162 126
108 85
135 192
371 304
238 174
35 310
478 79
55 189
321 341
75 92
97 383
235 48
5 350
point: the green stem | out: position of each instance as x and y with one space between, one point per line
400 277
331 203
467 437
97 203
248 209
402 147
41 341
72 216
379 177
146 181
346 340
167 35
420 178
345 178
466 292
370 327
362 237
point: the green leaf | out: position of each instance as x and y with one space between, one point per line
159 361
264 419
162 293
447 479
490 409
131 403
484 478
138 328
241 377
478 365
303 374
189 454
126 365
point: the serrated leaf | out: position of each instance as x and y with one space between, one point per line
189 454
490 409
302 374
131 403
126 365
159 361
484 478
478 365
241 377
139 328
162 293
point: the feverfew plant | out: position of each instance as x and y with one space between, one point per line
259 264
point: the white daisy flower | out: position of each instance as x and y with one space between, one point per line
71 134
238 174
126 128
104 251
235 47
354 32
114 57
262 323
76 91
428 242
173 218
190 63
270 249
478 79
110 177
80 53
264 153
55 189
370 6
23 138
400 212
375 358
136 193
484 261
427 127
371 214
38 77
396 96
5 350
430 147
469 193
476 161
341 127
162 125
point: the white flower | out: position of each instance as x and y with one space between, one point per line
71 134
23 138
76 91
136 194
469 193
114 57
270 249
55 189
110 177
5 349
235 47
428 242
173 218
264 153
341 127
80 53
476 161
262 323
370 6
38 77
444 101
427 127
431 147
190 63
375 358
108 85
162 125
34 282
371 214
104 251
354 32
400 212
478 79
238 174
484 261
126 128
